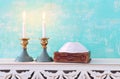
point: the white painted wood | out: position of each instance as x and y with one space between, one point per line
97 69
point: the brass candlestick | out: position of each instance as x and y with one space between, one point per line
44 42
24 57
44 57
24 42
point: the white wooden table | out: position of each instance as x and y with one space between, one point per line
96 69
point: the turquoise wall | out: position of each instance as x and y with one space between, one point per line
94 23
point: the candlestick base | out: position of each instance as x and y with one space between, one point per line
24 57
44 57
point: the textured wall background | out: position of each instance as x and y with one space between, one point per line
94 23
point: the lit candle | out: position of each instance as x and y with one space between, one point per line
23 26
43 26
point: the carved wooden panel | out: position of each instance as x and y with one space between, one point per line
58 74
96 69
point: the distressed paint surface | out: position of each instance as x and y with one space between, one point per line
94 23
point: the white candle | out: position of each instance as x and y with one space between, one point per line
43 26
23 26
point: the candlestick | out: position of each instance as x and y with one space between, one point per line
44 57
43 26
24 57
23 26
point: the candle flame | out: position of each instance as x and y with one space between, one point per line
43 16
24 16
